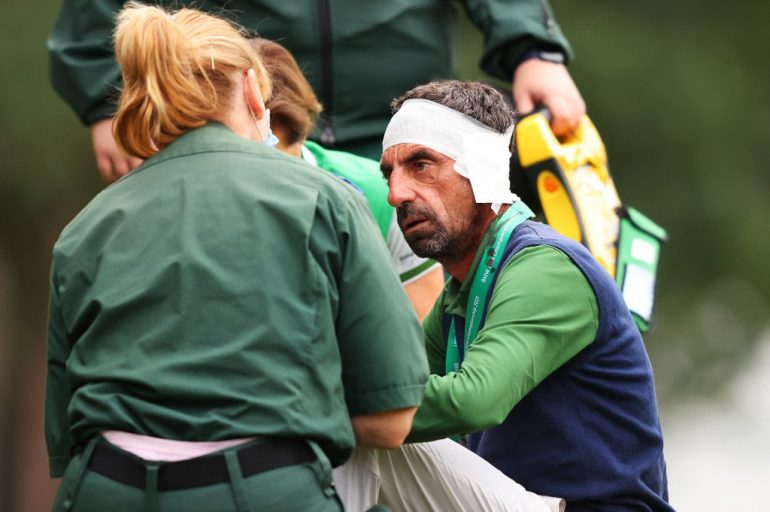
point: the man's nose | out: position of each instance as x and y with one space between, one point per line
400 189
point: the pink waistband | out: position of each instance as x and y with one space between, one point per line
155 448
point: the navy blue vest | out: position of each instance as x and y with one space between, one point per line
590 431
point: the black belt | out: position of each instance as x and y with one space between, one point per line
129 469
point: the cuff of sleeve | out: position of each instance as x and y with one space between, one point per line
385 399
503 61
103 111
57 466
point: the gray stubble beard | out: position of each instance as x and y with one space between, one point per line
441 245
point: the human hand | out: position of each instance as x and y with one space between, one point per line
110 160
536 81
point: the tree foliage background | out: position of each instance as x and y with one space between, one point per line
678 91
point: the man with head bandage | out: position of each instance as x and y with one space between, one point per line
533 353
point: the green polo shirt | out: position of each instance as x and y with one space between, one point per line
224 290
542 312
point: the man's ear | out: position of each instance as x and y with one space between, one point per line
253 96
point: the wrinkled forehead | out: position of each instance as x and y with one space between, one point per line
407 151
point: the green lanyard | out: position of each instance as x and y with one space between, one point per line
517 213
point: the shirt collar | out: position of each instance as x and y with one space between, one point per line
211 137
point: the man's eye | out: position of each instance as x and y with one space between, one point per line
421 166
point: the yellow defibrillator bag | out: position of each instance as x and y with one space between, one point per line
567 179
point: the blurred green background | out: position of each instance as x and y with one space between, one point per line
679 92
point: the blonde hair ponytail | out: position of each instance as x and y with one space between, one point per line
179 71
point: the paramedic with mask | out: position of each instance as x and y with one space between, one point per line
295 110
221 332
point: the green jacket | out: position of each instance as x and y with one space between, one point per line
357 55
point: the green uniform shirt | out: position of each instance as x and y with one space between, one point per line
542 312
224 290
357 57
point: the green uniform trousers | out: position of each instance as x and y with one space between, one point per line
302 487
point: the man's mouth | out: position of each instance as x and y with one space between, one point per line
411 223
412 218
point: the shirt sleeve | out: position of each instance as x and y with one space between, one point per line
542 312
512 28
384 366
82 65
57 392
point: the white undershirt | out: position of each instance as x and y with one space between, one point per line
156 448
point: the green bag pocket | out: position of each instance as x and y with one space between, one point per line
639 243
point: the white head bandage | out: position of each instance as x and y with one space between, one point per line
480 153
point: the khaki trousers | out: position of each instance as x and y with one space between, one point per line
437 476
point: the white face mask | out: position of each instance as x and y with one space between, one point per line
270 140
